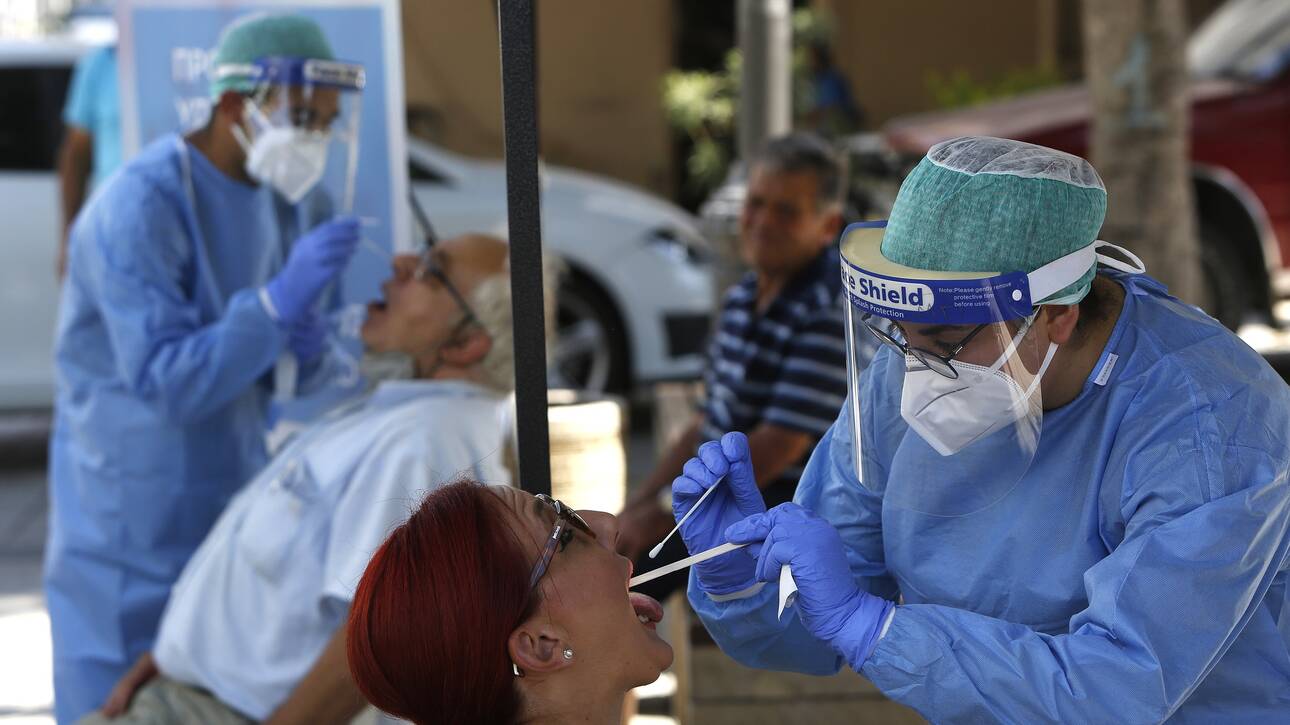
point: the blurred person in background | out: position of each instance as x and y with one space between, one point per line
91 148
776 365
190 273
252 631
492 606
833 111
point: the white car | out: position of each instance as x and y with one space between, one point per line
637 299
634 307
34 76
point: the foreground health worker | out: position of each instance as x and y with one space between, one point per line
1058 494
492 606
191 272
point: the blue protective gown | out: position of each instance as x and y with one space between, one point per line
1136 574
162 357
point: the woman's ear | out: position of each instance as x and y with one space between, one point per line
537 649
1061 322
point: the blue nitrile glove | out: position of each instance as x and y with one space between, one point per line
736 498
829 603
307 337
316 260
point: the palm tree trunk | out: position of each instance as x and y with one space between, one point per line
1135 67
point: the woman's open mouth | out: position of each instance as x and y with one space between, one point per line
647 609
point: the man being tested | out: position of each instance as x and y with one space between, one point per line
777 364
193 270
1074 485
252 629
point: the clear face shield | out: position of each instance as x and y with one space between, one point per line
965 383
956 385
301 126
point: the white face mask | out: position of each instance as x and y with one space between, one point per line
952 413
291 160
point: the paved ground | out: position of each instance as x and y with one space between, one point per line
25 690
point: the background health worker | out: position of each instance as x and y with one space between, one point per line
91 147
1067 500
191 271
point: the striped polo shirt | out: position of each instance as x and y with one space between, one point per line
786 366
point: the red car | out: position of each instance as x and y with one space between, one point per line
1240 146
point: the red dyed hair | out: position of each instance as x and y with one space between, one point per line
427 631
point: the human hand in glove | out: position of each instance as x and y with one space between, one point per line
316 260
829 603
737 498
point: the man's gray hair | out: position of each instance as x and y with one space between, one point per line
806 152
491 303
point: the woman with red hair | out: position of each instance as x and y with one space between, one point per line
493 606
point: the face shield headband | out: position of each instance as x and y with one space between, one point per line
883 288
279 70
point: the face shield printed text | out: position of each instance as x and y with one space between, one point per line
1003 297
867 307
889 293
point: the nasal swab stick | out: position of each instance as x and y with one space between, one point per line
653 553
683 563
374 247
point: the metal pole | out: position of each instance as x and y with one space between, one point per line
519 105
766 42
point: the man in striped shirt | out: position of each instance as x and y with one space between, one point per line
776 366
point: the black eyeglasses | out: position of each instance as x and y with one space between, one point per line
937 363
565 518
428 266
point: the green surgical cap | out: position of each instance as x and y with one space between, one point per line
262 35
982 204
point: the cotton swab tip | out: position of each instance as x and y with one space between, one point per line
653 553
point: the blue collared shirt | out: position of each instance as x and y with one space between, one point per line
786 366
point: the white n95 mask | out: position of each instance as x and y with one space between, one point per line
952 413
289 159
